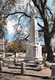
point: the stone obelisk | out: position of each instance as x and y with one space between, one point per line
33 49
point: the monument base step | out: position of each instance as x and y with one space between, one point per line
38 68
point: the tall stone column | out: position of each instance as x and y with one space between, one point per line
34 49
33 30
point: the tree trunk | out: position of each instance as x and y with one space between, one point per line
49 48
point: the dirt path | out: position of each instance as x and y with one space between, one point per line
4 76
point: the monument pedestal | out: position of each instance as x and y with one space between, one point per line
33 52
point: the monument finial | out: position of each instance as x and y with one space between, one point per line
33 12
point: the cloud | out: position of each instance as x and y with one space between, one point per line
23 30
9 26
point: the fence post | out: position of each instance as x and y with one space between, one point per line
3 62
53 70
0 66
22 67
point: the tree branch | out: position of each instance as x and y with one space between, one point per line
42 5
43 15
49 11
19 18
40 30
38 17
24 38
45 1
53 29
17 13
8 3
42 26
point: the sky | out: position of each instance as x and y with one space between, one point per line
10 23
10 29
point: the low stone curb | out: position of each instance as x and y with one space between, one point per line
27 74
27 68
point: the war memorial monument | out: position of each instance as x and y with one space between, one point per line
33 49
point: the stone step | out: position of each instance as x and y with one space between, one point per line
27 68
31 62
27 64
